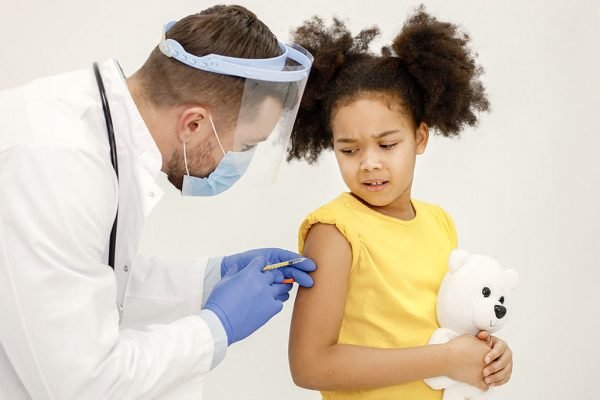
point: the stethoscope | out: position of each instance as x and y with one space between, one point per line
113 158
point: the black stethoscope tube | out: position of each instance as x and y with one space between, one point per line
113 158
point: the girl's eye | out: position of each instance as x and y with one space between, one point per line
387 145
348 151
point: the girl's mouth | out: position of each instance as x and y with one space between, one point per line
375 185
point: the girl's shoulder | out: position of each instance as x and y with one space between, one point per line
439 215
430 208
337 212
333 210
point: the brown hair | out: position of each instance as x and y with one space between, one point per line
225 30
428 70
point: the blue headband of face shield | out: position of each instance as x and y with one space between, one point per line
262 69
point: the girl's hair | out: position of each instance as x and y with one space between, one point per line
428 70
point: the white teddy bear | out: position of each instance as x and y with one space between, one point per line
474 296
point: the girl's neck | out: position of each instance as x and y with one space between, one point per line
401 209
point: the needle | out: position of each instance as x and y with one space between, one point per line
285 264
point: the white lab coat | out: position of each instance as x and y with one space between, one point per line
60 336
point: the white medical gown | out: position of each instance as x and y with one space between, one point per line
60 336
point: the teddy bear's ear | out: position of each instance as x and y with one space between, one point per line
512 277
458 258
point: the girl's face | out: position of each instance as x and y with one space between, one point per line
376 150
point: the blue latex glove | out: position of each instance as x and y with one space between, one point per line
238 262
245 300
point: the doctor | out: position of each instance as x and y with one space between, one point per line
79 154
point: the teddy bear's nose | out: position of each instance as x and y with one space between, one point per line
500 311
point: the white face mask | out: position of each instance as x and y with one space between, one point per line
229 170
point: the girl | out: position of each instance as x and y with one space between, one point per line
362 330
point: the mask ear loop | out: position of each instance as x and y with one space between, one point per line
187 171
215 131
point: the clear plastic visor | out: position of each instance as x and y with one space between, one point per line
267 112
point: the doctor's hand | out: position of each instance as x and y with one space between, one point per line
245 300
237 262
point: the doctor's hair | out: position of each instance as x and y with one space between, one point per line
428 72
232 31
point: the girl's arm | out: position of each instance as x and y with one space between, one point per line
318 362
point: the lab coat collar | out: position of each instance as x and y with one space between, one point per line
132 133
140 140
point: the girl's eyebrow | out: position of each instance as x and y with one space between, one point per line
345 140
385 133
376 136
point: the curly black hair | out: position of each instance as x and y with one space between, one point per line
428 69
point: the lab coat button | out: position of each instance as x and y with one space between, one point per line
125 268
151 194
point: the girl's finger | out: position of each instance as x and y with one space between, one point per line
499 364
500 377
501 382
499 348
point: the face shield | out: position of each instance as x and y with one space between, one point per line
268 106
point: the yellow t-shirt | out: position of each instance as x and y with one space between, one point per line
397 268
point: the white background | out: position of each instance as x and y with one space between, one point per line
522 187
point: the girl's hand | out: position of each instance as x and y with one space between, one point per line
498 361
465 361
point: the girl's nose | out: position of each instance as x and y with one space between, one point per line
370 162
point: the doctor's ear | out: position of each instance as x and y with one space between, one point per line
191 122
